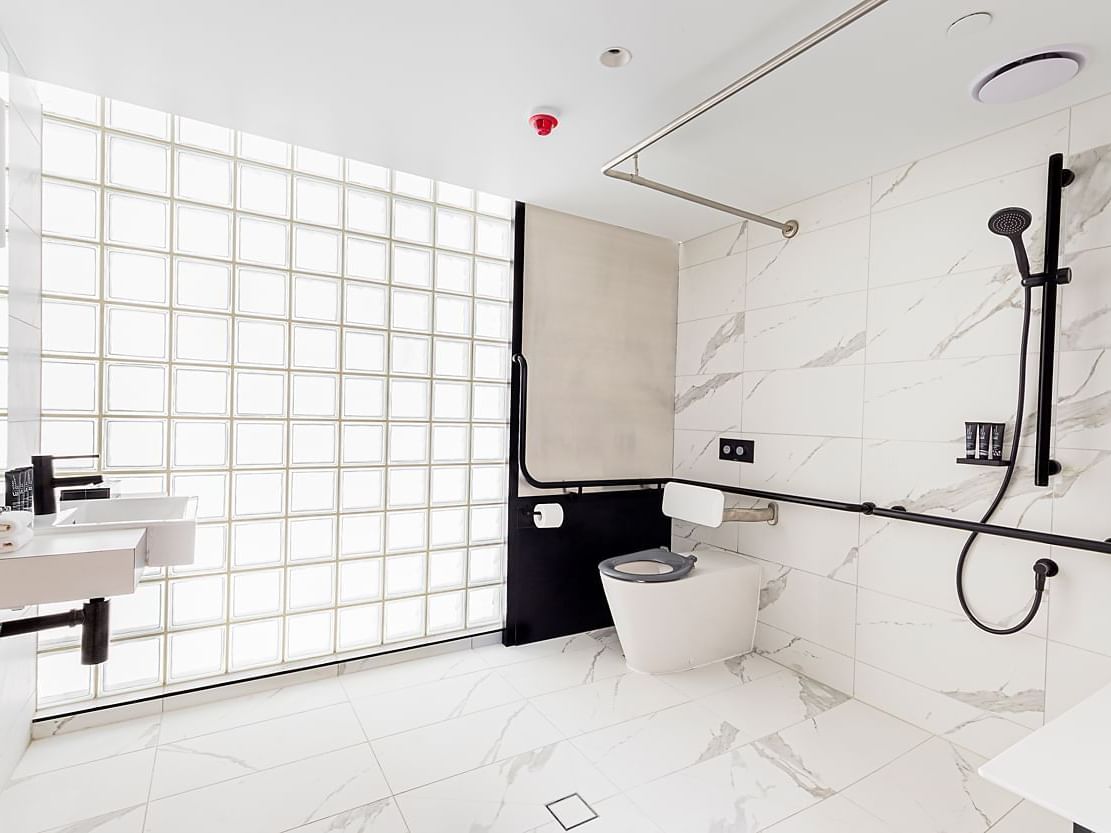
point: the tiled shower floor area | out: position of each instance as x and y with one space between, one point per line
480 741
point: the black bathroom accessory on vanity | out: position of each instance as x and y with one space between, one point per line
45 481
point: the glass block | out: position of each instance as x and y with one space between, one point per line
486 564
263 190
203 135
315 298
317 162
203 178
137 612
488 483
489 443
493 238
358 627
261 293
209 489
412 221
456 195
314 396
405 531
69 268
490 204
260 342
360 489
493 280
203 231
200 391
209 551
137 221
139 165
69 386
448 485
258 493
364 304
412 267
454 229
363 173
202 338
446 569
255 643
259 443
263 241
411 310
136 663
451 358
256 593
487 523
364 352
491 402
366 259
316 348
484 606
69 327
202 285
364 397
62 678
308 635
447 527
363 443
367 212
408 487
70 436
70 210
449 443
261 149
259 394
408 443
312 491
311 539
316 202
491 320
450 400
200 444
70 151
310 586
360 535
445 612
412 185
491 361
69 103
404 619
405 575
135 119
453 315
409 354
408 399
453 272
360 580
135 388
197 601
316 250
133 443
140 484
198 653
136 277
314 443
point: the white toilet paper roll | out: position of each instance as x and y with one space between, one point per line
548 515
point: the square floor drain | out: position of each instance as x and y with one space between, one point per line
571 811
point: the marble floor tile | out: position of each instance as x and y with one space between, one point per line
589 707
615 815
834 815
1030 818
127 820
376 817
496 656
412 759
277 799
718 676
382 678
564 670
87 745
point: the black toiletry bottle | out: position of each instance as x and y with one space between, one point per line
970 440
984 439
997 441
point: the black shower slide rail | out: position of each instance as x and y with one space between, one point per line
897 513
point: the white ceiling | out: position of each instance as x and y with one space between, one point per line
444 88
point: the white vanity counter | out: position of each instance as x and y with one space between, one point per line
1065 766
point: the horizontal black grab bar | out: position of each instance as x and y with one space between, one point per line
862 508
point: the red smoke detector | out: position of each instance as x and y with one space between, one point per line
543 123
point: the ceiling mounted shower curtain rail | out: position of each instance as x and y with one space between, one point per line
895 513
789 228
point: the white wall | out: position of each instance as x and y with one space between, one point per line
23 256
852 355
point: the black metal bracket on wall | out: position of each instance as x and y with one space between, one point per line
91 616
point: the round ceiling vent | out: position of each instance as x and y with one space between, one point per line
1027 77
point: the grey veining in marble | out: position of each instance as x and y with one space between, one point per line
700 391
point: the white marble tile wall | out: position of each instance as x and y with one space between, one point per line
853 354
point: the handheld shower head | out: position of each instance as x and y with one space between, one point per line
1011 223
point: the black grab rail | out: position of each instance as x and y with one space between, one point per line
862 508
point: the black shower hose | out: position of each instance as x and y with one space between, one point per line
1043 567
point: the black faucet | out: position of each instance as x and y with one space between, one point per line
45 482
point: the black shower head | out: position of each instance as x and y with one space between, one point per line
1011 223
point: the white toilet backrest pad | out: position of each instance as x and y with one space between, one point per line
694 504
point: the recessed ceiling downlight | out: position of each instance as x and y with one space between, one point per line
615 56
1027 77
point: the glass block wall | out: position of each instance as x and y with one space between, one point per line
315 347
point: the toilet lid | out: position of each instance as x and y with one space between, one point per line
648 566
